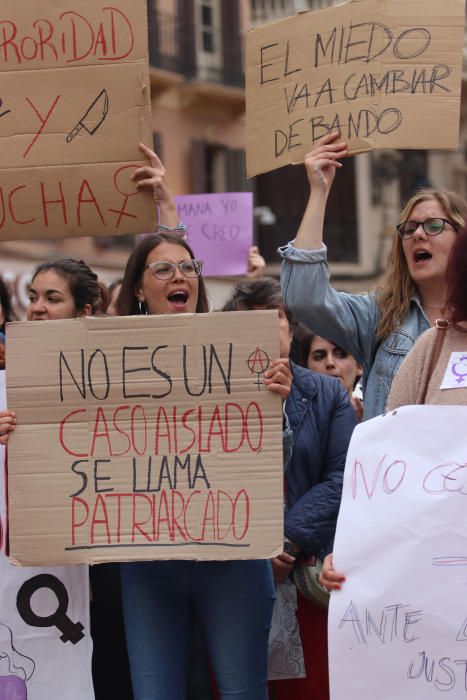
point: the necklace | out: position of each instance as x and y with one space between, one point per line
430 306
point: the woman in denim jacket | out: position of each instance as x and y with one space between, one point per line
378 328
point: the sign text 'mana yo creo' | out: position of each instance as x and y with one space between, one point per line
376 72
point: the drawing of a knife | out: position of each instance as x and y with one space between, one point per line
93 116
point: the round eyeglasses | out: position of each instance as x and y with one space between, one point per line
166 270
432 227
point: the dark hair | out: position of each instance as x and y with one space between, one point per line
5 302
103 303
456 274
113 285
127 304
301 343
248 294
82 281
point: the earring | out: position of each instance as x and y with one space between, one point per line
143 309
211 304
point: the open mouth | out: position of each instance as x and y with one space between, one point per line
178 298
421 256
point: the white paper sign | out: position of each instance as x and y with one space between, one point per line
398 626
53 661
455 376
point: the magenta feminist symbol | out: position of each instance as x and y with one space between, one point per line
463 366
258 362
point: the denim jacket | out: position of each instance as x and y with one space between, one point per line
349 320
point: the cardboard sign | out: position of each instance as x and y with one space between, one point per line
75 103
398 626
383 73
148 437
35 661
219 229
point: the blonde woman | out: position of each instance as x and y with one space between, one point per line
418 382
378 328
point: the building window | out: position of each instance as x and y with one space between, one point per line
208 41
207 27
267 10
217 168
287 204
413 168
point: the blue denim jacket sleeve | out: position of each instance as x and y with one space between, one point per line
349 320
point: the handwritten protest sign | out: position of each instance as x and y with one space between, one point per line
384 73
145 437
398 626
45 643
75 103
219 229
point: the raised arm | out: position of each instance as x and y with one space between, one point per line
320 164
153 177
348 320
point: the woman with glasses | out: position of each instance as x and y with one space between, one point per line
232 600
418 382
378 328
421 377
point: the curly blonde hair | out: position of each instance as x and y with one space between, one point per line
397 287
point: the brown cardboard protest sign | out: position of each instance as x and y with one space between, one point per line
75 103
384 73
149 437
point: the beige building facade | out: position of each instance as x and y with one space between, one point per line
198 112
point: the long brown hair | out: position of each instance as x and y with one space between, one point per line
457 280
397 287
127 304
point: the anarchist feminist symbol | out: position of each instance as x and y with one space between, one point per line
71 631
258 362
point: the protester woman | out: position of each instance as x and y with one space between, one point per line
66 289
323 356
59 289
417 382
322 421
232 600
379 328
420 376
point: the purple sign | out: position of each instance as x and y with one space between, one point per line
219 229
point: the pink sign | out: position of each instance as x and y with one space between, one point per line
219 229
